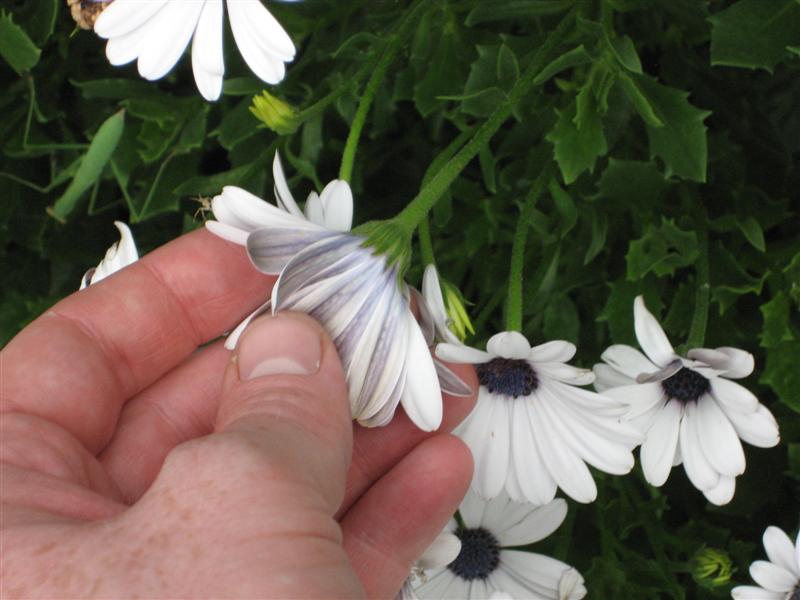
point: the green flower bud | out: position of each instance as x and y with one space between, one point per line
276 114
711 568
458 319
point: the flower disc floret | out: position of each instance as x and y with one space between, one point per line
508 376
686 385
479 556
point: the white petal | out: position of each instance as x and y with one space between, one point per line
781 550
422 398
566 373
718 439
233 338
263 43
126 48
535 481
651 336
772 577
486 433
471 510
515 586
758 428
750 592
571 585
722 493
244 210
731 362
628 360
270 250
508 344
698 469
554 351
337 205
441 552
283 195
436 585
313 210
432 291
123 16
537 572
733 397
534 524
606 377
658 450
462 354
450 383
169 37
640 397
208 63
228 232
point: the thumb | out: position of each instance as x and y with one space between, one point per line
285 384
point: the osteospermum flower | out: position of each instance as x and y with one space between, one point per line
689 408
354 292
118 256
440 553
155 33
778 578
533 429
486 567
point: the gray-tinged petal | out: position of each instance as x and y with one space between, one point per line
233 338
270 250
426 322
450 382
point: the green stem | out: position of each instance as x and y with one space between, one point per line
416 210
697 331
515 277
365 103
425 243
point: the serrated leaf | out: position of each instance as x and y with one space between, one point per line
681 142
639 101
489 11
776 321
572 58
16 47
752 231
755 33
625 52
661 250
632 182
507 67
94 161
576 150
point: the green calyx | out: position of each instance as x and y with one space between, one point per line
275 114
457 317
388 239
711 568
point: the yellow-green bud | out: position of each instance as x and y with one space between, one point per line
276 114
711 568
458 319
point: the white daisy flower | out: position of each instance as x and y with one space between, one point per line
155 33
689 409
533 430
779 577
440 553
487 568
118 256
356 294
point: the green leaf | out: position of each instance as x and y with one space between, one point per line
632 182
576 150
752 231
625 52
16 47
507 67
114 89
776 321
94 161
565 206
572 58
640 102
599 232
661 250
782 375
561 320
38 19
489 11
681 143
755 34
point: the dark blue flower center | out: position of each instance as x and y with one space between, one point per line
508 376
479 556
686 385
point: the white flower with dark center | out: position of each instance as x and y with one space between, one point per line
487 568
440 553
118 256
156 32
355 293
779 577
689 409
533 430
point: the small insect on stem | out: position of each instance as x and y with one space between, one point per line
85 12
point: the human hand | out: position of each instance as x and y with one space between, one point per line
134 464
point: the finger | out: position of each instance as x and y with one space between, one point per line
399 517
377 450
179 407
78 363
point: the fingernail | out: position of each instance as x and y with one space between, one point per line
279 345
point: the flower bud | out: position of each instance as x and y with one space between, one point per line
458 320
711 568
276 114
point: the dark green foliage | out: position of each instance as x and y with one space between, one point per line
663 121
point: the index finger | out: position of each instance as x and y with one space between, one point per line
78 363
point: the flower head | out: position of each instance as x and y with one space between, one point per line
688 407
354 292
440 553
486 567
533 429
118 256
155 33
778 578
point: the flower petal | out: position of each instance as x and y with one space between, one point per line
758 428
283 196
263 43
658 450
337 205
422 397
484 431
607 377
651 336
508 344
123 16
168 38
733 397
698 469
460 354
532 524
731 362
780 550
723 492
444 550
571 585
537 572
271 249
244 210
450 383
208 63
718 439
534 479
233 337
553 351
772 577
228 232
566 373
750 592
